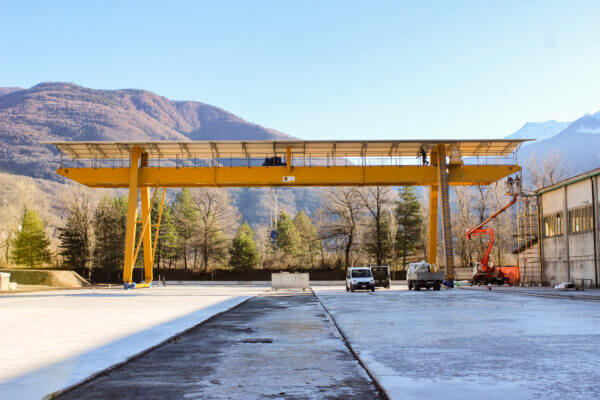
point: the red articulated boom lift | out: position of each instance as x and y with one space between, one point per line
487 274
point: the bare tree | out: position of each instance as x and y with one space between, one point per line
504 225
344 209
462 220
264 244
480 208
424 233
378 203
550 170
10 219
321 223
217 222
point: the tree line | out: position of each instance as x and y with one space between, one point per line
202 230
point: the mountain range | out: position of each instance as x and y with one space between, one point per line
56 111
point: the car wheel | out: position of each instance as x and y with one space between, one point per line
409 285
347 290
372 289
417 287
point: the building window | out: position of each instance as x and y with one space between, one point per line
581 219
553 225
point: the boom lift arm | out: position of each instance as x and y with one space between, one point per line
479 230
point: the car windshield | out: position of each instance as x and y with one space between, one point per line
361 273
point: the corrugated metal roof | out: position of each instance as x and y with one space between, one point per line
299 148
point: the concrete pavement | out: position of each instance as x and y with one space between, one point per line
280 345
471 344
54 339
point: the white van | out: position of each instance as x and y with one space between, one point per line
359 279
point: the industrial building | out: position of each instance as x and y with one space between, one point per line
569 229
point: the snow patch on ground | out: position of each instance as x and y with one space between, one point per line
54 339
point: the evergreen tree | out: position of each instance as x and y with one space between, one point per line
378 202
287 237
243 251
308 245
378 239
409 223
77 237
186 218
109 228
30 246
166 247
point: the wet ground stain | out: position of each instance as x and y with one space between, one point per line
275 346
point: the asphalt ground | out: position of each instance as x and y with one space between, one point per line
277 345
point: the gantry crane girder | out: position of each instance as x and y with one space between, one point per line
353 170
408 175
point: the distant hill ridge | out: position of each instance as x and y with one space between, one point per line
66 111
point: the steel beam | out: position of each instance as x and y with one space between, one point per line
387 175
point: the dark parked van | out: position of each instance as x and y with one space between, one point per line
381 275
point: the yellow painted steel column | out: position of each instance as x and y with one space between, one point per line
433 225
146 221
128 260
443 187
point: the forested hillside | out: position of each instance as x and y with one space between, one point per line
56 111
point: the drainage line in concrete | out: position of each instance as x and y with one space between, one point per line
343 335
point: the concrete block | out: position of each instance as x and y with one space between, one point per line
287 280
4 281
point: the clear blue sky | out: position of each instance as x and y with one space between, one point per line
324 69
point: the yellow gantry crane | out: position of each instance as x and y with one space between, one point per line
141 166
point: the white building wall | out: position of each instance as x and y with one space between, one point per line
579 194
553 201
576 262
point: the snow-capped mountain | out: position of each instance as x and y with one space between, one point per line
539 130
578 143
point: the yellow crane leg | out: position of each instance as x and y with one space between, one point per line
132 207
146 221
443 187
147 235
160 210
433 225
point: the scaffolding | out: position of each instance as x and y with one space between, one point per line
528 258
